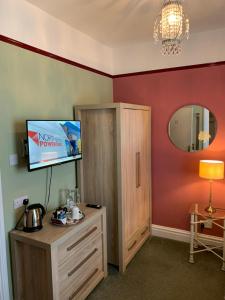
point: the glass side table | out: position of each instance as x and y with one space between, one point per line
200 216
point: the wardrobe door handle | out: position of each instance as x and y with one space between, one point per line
82 262
138 169
82 238
83 284
132 246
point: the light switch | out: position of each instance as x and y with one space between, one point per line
13 159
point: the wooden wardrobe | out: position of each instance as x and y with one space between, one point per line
115 171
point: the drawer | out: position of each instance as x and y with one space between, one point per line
80 262
78 240
133 244
84 282
144 231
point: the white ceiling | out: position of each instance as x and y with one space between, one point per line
119 22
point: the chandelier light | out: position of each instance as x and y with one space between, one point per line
171 27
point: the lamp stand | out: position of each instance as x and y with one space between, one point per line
209 208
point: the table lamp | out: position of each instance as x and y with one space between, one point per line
211 170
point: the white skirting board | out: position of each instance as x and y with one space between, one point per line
183 235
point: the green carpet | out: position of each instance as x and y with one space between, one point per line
161 271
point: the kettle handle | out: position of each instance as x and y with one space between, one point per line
38 205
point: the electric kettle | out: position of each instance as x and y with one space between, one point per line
33 216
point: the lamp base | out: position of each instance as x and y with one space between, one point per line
209 209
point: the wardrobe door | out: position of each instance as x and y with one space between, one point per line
143 188
135 166
129 179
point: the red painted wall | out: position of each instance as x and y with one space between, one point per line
175 182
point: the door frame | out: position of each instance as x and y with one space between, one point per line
4 283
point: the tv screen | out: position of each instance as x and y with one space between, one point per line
52 142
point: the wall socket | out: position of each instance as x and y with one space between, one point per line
18 202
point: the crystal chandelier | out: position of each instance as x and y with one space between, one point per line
171 26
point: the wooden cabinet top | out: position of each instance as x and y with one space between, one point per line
112 105
51 235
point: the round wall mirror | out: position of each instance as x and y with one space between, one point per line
192 128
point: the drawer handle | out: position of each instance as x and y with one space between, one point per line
143 232
134 243
82 262
82 238
83 284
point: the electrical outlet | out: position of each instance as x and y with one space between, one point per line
18 202
208 223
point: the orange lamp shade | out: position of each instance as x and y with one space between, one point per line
211 169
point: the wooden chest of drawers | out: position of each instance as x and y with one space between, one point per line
60 263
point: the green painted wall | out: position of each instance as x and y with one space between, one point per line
36 87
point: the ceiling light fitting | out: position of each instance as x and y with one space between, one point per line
171 27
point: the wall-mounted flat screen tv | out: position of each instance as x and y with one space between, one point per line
52 143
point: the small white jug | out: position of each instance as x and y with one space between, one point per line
76 213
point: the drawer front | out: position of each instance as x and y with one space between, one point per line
78 240
144 231
84 282
133 244
80 261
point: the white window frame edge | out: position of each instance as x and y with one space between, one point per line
4 284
